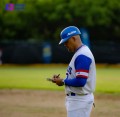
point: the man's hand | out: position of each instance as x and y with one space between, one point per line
59 81
56 79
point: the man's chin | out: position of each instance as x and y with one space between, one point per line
69 50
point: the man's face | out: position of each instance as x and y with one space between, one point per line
69 44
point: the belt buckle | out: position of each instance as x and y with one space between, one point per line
73 94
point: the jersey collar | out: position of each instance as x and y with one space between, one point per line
79 47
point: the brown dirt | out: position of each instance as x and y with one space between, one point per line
32 103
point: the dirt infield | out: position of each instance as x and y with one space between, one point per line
31 103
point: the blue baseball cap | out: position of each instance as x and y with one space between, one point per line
68 32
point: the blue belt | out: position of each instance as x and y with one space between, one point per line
71 94
74 94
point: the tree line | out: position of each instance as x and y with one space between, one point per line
44 19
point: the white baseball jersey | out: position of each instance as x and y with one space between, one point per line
90 74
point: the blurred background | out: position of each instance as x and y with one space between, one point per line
29 53
30 29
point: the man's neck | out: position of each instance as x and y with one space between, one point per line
78 47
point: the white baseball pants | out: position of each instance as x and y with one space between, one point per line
79 106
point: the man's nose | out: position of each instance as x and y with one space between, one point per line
64 44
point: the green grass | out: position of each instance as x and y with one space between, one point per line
29 77
108 80
34 77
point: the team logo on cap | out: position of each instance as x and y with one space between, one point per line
70 33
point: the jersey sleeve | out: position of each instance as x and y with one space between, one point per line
82 65
75 82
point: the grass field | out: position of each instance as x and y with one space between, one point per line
49 102
34 77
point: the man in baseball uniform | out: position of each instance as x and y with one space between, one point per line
80 75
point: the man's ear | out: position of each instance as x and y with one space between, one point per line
74 39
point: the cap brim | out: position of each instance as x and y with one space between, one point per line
63 41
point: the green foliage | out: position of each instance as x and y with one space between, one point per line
43 19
